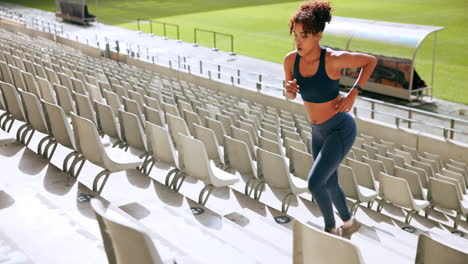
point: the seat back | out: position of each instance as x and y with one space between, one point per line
371 151
153 103
131 130
124 241
311 245
432 251
273 169
6 72
458 170
208 137
87 140
31 84
59 125
34 112
12 101
17 77
388 163
191 118
413 181
154 116
454 175
108 120
65 80
47 92
177 125
84 107
195 159
444 194
244 136
288 143
160 143
132 106
226 121
270 146
78 86
453 181
396 190
64 99
251 129
170 109
348 182
399 160
377 166
359 153
300 163
217 128
407 158
239 156
363 174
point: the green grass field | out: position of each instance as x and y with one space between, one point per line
260 28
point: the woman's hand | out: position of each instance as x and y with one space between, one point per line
292 86
346 103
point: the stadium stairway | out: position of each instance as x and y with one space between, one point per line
47 210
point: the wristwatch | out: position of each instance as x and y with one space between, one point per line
358 87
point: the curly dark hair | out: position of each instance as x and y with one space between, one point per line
312 15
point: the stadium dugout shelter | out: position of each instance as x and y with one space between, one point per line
395 45
74 11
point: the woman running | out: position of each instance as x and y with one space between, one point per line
314 72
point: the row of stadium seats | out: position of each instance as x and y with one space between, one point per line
213 137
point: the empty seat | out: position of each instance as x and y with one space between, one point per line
364 174
300 163
397 191
208 137
198 166
14 110
162 150
272 146
414 182
46 90
154 116
447 195
124 241
288 143
275 173
353 190
433 251
64 99
90 146
311 245
108 123
238 157
359 153
245 137
177 125
37 119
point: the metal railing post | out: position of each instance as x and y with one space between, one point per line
410 117
452 126
214 41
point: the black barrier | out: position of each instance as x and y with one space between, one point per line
164 24
215 34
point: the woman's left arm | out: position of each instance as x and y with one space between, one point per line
346 59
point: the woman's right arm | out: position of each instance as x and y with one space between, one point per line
290 83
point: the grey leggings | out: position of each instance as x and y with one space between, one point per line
331 141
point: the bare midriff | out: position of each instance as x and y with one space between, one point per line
321 112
